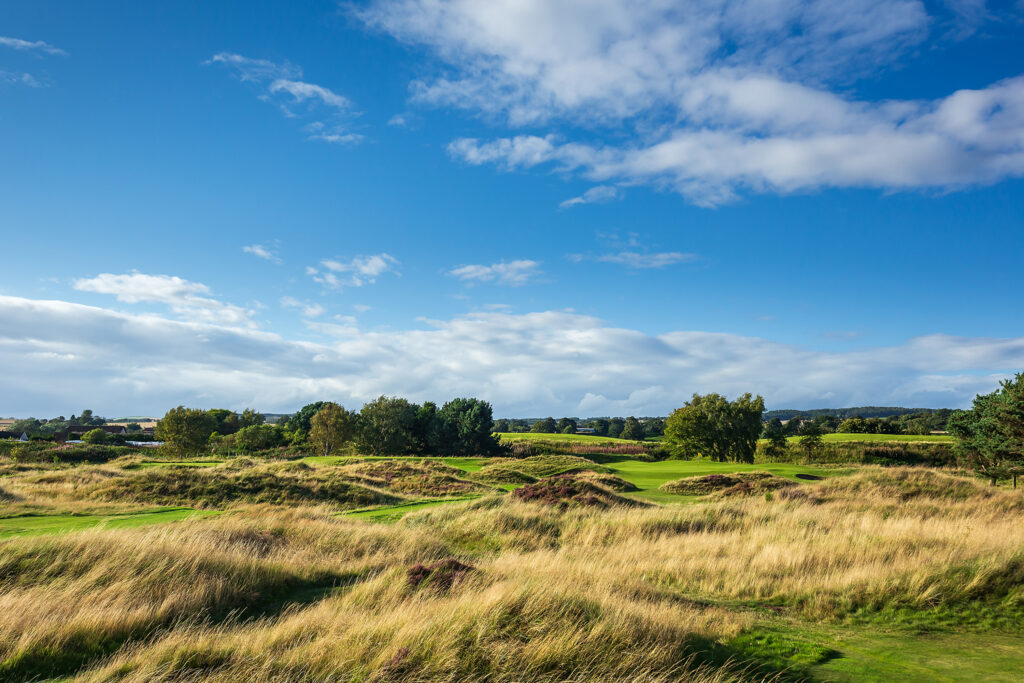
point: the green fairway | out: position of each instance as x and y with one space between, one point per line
30 525
648 476
867 655
392 513
583 438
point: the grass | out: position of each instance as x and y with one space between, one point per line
883 573
882 438
581 438
649 476
29 525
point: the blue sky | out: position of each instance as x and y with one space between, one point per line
563 207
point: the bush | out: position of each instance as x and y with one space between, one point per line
95 436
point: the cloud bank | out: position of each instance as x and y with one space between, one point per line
59 355
711 98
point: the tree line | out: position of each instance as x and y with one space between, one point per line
388 425
632 428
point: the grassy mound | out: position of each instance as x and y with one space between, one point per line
571 491
737 483
502 475
418 478
608 481
439 576
547 465
202 487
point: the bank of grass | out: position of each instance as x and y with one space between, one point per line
55 523
579 438
808 585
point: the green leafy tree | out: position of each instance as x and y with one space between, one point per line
259 438
95 436
468 427
632 430
249 418
300 421
810 440
331 428
615 427
566 425
600 426
225 421
990 436
427 430
387 426
133 427
185 431
545 426
713 427
777 444
502 426
654 427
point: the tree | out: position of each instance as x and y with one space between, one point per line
853 425
249 418
713 427
545 426
467 427
632 430
600 426
502 426
566 425
654 427
330 428
810 440
94 436
615 427
427 430
300 421
990 436
259 438
133 427
777 444
185 431
386 426
224 421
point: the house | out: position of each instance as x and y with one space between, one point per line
14 435
75 433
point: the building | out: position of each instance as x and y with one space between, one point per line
14 435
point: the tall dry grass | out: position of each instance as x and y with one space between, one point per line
579 594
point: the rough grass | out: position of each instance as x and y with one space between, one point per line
567 592
736 483
568 490
543 465
218 488
428 478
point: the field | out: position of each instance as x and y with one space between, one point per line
546 568
580 438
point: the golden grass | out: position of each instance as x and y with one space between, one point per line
577 594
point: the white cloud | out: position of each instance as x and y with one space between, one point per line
308 310
361 270
186 299
262 252
31 46
22 79
56 352
361 308
601 193
714 98
635 259
280 84
513 273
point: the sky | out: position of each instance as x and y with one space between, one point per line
565 207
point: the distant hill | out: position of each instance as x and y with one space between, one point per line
844 413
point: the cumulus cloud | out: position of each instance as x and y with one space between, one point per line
56 352
282 84
601 193
636 259
186 299
512 273
261 251
31 46
361 270
308 310
715 98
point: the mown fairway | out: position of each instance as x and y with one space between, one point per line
57 523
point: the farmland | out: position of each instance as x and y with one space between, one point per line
296 566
